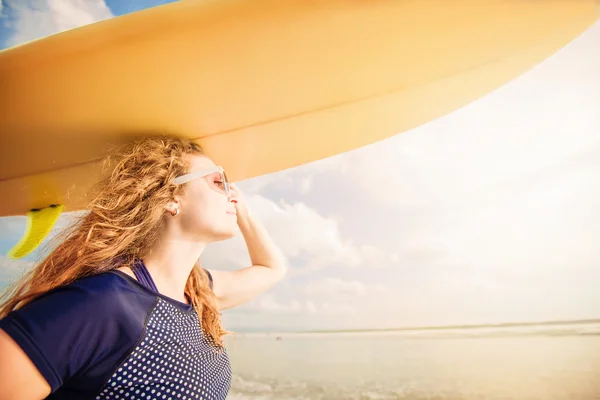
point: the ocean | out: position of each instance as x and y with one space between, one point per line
536 362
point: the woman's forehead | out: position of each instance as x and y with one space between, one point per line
198 162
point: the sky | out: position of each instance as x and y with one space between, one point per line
486 215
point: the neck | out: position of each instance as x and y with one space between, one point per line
170 263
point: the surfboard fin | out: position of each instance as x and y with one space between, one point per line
39 224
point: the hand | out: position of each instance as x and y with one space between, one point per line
239 200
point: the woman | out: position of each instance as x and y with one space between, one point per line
121 309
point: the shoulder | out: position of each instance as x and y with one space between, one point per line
95 303
95 296
94 320
94 307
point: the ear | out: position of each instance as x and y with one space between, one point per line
173 206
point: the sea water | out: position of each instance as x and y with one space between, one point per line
558 362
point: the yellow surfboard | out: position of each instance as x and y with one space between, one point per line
262 85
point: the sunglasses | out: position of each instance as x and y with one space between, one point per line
201 174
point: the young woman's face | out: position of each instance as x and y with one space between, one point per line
206 211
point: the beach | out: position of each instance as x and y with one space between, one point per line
545 362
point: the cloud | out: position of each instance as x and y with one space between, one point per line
317 301
301 231
305 184
311 308
302 234
337 309
34 19
335 287
268 304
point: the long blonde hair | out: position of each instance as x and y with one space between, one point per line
122 224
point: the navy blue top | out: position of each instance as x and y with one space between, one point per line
109 336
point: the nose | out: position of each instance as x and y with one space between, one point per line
231 198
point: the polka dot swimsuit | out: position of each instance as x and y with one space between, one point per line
114 337
174 360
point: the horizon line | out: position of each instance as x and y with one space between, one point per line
437 327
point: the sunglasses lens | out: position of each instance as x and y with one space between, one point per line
225 182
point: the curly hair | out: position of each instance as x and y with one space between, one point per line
125 216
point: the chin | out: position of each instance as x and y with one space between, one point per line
225 234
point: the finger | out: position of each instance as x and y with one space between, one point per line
235 191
